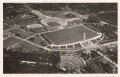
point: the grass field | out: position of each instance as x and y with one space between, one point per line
21 33
10 41
53 24
38 30
5 36
110 17
6 26
70 35
29 47
37 40
28 21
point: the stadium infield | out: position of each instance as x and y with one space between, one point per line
69 35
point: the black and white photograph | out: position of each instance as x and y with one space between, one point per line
60 38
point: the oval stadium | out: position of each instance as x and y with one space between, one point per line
53 22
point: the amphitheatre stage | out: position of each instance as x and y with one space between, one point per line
69 62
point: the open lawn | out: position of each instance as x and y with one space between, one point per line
110 17
36 39
28 21
29 47
53 24
37 30
10 41
21 33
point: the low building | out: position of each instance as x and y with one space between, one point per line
34 26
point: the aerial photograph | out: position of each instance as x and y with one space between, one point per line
60 38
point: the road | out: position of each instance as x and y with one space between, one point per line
106 11
107 58
28 41
114 42
65 50
39 14
36 12
101 54
45 48
102 19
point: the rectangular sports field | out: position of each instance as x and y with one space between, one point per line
29 47
22 33
10 41
69 35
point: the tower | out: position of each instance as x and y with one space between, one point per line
84 36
